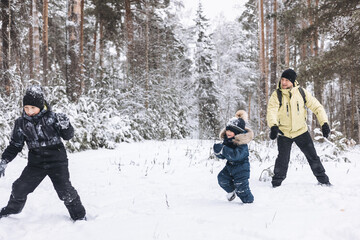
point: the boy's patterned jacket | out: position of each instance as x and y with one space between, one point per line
42 134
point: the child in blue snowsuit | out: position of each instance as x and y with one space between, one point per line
234 178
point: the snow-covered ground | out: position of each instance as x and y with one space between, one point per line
169 190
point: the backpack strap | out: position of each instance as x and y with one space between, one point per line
301 90
279 95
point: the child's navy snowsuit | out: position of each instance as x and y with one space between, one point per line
236 173
47 157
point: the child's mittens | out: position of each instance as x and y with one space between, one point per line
63 121
229 142
218 148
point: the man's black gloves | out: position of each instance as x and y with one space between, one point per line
229 142
274 132
325 130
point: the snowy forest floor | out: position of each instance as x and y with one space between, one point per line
169 190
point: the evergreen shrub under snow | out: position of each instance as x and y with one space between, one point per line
102 118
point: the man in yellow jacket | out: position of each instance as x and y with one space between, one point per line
286 116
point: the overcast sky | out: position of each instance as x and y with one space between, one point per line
230 9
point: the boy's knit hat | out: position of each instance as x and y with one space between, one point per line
34 96
237 123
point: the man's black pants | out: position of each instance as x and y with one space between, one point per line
31 177
306 145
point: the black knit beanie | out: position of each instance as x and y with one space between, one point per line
289 74
236 125
34 96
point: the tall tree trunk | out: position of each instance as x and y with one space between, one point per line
343 111
349 106
274 51
73 83
9 33
316 34
353 106
303 44
262 62
267 48
36 40
94 49
129 37
31 44
5 45
259 102
318 88
147 44
249 105
101 47
312 42
287 49
357 109
331 104
82 43
1 57
294 56
45 42
286 40
318 85
261 39
322 43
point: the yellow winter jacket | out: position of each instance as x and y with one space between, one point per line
291 116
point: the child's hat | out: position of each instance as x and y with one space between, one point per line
237 123
34 96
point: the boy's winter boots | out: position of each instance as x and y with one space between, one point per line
4 212
76 209
231 196
328 184
14 206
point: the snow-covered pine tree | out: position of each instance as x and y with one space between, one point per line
206 91
250 56
236 58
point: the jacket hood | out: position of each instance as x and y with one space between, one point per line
242 138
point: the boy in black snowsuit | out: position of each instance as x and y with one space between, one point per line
234 178
42 131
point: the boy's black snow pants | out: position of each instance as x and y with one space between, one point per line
31 177
306 145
